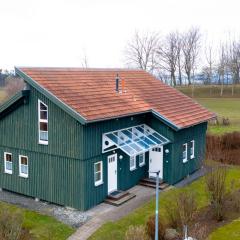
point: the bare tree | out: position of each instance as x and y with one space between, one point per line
191 47
234 62
141 51
168 55
85 63
222 65
210 63
179 57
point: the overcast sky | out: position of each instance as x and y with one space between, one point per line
61 32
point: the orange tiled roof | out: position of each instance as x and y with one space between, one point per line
91 93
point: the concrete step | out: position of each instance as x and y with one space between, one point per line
116 196
120 201
162 185
151 180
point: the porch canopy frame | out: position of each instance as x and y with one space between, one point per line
133 140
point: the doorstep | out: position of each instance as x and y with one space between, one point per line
151 182
117 198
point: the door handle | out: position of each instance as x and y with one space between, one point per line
115 171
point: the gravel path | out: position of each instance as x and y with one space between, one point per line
68 216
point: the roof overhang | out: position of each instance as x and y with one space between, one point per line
133 140
11 104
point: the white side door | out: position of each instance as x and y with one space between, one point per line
112 173
156 161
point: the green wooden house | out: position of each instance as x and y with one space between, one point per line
74 136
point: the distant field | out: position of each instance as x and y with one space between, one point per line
212 91
224 107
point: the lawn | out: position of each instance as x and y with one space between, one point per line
224 107
227 106
210 91
116 230
42 227
229 231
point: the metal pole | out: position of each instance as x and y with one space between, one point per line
156 215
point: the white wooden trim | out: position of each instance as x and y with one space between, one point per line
19 162
133 167
144 160
99 182
193 146
186 158
43 121
6 170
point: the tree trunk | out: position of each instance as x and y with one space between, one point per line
221 93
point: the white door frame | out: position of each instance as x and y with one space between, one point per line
156 161
112 173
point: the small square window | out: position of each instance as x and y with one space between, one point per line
142 159
184 152
132 163
23 166
98 173
8 164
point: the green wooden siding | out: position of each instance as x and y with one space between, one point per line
63 171
65 133
178 169
55 171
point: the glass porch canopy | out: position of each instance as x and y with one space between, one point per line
134 140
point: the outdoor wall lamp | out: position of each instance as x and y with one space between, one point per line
167 151
120 157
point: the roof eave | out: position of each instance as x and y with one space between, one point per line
10 102
51 96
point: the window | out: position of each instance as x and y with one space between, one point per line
184 152
98 173
132 163
23 166
192 149
142 159
43 122
8 163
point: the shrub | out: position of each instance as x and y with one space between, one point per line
136 233
181 210
187 206
150 228
10 224
215 182
224 149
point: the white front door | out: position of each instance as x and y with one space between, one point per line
156 161
112 173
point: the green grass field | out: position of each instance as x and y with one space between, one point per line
42 227
116 230
229 231
225 107
212 91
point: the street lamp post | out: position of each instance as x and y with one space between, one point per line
156 211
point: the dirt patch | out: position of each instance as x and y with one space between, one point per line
205 223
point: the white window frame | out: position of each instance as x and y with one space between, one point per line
5 160
20 173
185 159
193 149
44 142
100 181
143 163
134 166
